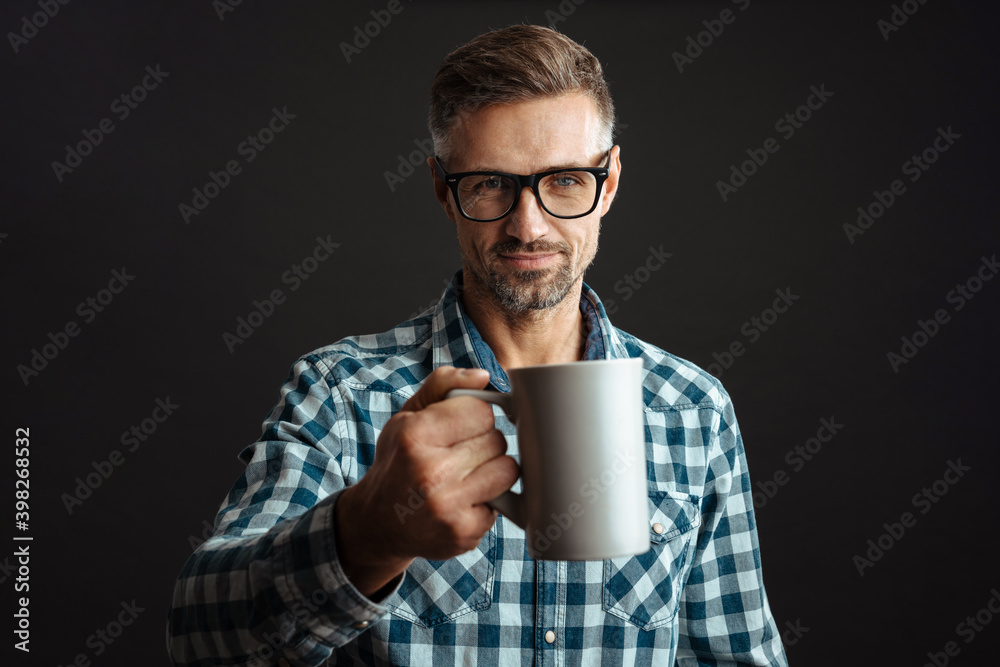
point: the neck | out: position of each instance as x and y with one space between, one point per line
550 336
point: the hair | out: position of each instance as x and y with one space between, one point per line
515 64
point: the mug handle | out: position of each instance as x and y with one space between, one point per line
508 503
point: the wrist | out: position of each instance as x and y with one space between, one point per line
366 558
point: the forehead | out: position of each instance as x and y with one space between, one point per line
526 137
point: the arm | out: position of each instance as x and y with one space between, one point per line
725 618
285 575
268 583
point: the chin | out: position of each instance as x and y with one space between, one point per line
533 290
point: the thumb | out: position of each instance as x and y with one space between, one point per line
444 379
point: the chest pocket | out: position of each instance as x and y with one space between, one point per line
438 591
645 590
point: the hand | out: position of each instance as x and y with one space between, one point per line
446 453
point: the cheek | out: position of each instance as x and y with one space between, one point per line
472 242
588 243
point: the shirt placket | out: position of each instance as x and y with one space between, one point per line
550 632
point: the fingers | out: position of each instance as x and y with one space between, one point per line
474 452
442 425
429 420
462 533
452 453
442 469
444 379
489 480
481 518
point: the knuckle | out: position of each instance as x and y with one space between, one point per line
406 441
408 429
423 485
438 505
431 478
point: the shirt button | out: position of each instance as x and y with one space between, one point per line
361 625
550 637
658 528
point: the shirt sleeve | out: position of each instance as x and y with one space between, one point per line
724 616
267 587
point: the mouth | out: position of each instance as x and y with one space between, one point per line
528 261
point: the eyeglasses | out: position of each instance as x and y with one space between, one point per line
485 196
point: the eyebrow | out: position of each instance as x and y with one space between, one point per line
567 165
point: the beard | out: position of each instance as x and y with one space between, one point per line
521 290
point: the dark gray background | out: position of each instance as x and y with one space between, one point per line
325 175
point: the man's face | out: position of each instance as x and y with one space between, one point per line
529 260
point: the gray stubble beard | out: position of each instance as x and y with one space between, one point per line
523 295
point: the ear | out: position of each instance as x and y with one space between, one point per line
442 192
611 183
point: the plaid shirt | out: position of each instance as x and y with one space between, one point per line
267 587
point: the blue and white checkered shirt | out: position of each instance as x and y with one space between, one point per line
267 587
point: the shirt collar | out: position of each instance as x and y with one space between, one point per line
457 342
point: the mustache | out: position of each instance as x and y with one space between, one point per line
514 246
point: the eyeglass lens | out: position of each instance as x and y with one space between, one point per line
566 193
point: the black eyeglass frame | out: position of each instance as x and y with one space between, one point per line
524 181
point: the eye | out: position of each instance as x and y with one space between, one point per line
565 180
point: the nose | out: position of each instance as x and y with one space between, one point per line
526 221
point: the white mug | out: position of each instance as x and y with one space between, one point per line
583 458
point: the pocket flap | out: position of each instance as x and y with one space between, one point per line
672 514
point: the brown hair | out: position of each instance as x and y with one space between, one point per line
515 64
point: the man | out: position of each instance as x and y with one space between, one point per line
359 532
